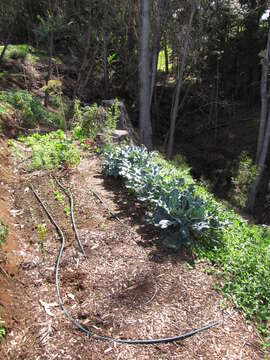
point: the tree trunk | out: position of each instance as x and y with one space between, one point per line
261 164
105 53
264 131
176 97
264 98
166 55
144 67
48 78
3 52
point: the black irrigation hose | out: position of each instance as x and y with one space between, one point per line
69 195
87 331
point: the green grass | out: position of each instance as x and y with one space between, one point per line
51 151
29 109
25 52
238 252
21 51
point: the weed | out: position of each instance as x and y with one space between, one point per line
245 173
41 229
59 197
67 210
3 232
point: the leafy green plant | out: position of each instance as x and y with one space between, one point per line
245 173
90 120
59 197
41 229
2 332
3 232
20 51
51 151
67 210
175 207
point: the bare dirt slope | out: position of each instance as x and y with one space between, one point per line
129 287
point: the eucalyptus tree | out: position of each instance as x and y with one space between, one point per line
144 71
264 128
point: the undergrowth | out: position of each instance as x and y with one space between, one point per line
51 151
187 214
91 120
29 109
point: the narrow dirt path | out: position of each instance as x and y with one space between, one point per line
129 287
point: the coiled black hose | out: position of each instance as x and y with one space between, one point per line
83 328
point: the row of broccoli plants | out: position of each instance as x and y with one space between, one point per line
187 214
174 206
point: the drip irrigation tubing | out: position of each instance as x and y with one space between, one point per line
82 328
70 197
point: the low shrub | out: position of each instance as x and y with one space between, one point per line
29 108
90 120
244 174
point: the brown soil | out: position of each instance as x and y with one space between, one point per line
130 287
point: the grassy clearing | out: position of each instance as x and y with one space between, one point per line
29 109
51 151
21 51
25 52
188 215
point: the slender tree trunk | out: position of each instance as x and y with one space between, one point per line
145 119
166 55
3 52
49 74
105 53
176 97
264 98
264 130
261 164
156 50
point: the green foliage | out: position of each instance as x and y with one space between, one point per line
245 173
175 207
41 229
112 117
90 120
30 108
67 210
51 151
3 232
161 60
2 332
185 210
21 51
59 197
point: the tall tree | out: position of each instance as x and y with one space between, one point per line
176 96
144 70
264 129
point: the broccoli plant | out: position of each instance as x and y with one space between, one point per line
173 205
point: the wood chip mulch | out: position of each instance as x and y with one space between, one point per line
130 287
